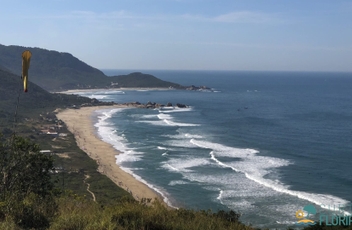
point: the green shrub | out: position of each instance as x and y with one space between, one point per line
25 184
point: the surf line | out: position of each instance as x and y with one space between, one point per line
276 187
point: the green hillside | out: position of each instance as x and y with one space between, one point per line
138 79
55 71
52 70
37 99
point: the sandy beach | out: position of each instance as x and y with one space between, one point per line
80 123
75 91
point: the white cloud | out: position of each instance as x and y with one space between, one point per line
244 17
232 17
237 17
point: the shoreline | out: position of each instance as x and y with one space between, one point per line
75 91
104 153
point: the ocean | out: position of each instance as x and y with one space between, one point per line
264 144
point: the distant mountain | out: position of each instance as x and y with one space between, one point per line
56 71
138 79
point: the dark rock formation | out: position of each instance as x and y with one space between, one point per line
181 105
200 88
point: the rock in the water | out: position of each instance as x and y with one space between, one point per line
200 88
181 105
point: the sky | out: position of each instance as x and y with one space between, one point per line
255 35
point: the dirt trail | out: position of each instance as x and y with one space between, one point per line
88 185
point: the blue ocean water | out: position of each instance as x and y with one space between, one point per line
264 144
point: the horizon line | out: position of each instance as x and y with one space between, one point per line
228 70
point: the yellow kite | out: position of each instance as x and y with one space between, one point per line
26 58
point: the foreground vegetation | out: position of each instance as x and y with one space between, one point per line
30 199
78 213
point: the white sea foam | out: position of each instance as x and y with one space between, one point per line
100 94
184 136
244 203
233 189
255 167
178 182
136 169
172 123
241 188
193 136
234 185
107 132
109 92
178 140
220 195
182 143
161 148
109 135
161 191
105 114
217 161
149 116
175 109
97 96
184 164
163 116
170 167
157 123
166 108
127 156
168 119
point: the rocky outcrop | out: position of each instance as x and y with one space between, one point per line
200 88
181 105
153 105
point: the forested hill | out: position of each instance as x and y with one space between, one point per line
54 71
37 98
11 85
138 79
51 70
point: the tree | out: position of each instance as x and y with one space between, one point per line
25 183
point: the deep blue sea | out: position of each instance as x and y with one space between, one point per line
264 144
